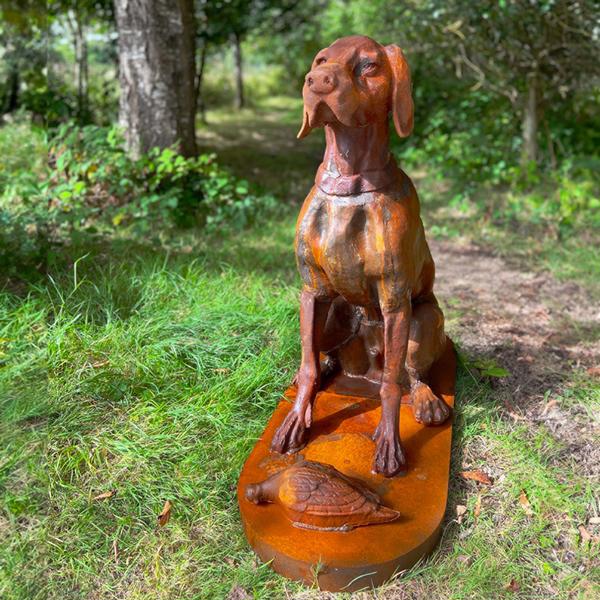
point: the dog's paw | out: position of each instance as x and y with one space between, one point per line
291 434
389 456
427 407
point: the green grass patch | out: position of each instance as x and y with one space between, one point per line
153 375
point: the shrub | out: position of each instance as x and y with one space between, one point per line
562 200
93 181
91 185
22 156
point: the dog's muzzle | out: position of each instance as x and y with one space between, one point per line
329 97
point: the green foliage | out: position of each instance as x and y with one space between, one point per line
22 156
93 187
95 180
561 200
472 140
22 167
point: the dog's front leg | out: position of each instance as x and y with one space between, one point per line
389 456
290 436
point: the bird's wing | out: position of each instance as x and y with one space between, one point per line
318 491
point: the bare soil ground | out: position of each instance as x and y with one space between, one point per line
537 328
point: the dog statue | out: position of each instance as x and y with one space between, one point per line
367 303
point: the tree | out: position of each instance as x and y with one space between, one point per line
157 74
290 33
213 18
533 53
222 21
24 54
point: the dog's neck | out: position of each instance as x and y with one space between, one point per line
353 150
356 160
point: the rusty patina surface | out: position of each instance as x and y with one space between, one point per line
317 496
341 436
367 301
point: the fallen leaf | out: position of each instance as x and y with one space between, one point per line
527 358
549 405
165 515
98 364
594 371
478 476
525 504
477 509
585 534
222 371
510 409
105 495
513 586
595 521
460 512
464 559
237 592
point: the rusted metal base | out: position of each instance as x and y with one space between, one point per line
344 421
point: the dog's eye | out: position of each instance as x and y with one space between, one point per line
365 67
320 60
369 67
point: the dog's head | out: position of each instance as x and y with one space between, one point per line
357 81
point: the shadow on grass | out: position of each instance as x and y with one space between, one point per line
115 270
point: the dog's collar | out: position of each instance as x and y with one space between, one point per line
336 184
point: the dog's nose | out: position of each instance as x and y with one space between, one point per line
321 82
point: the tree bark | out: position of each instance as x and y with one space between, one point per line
12 97
239 76
81 68
157 74
199 77
530 122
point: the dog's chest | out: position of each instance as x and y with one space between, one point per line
346 241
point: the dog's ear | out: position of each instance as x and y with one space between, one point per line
306 128
403 109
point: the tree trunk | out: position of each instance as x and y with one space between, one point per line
199 76
156 72
530 121
12 98
81 68
239 77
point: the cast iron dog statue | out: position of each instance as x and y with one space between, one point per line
367 302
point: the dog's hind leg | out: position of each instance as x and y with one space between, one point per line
342 324
426 343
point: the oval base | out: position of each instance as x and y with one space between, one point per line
345 415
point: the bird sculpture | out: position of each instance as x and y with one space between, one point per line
315 495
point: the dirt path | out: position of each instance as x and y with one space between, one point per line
540 330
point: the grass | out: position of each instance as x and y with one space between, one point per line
151 370
152 378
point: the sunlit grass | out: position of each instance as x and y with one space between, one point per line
153 376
